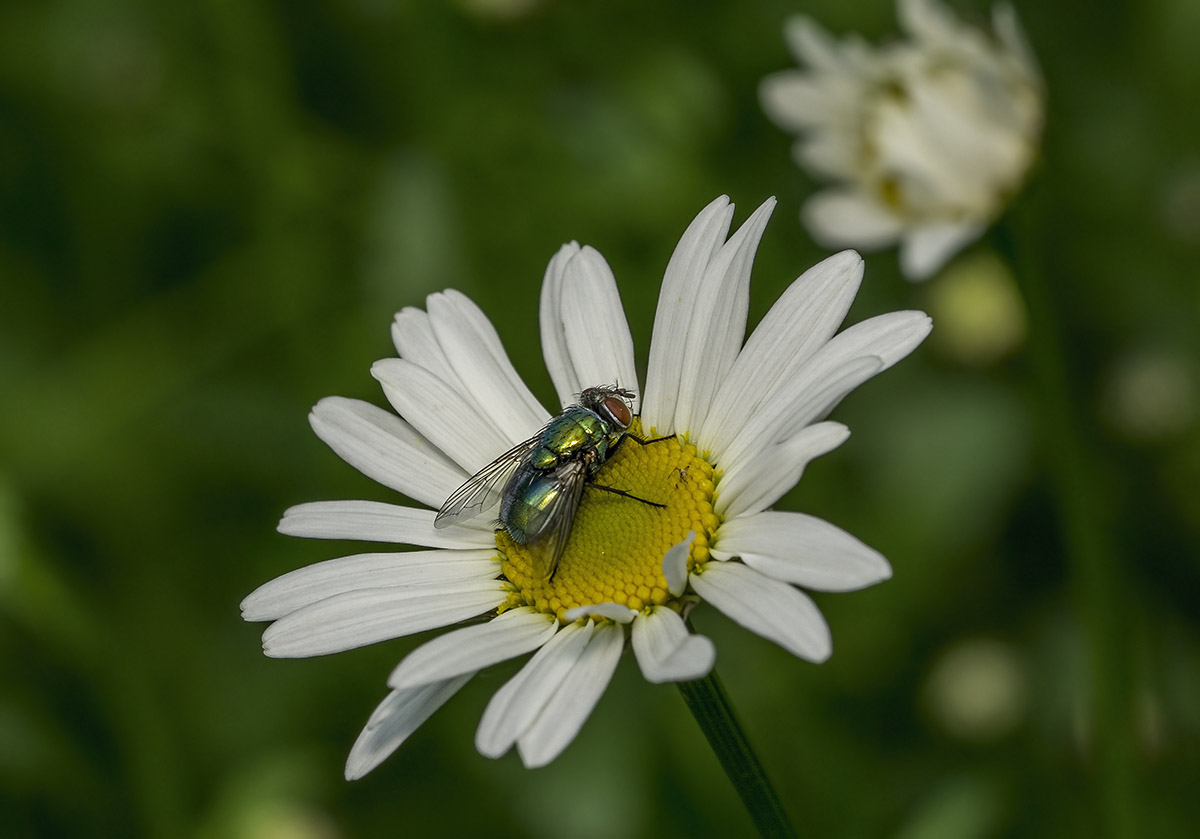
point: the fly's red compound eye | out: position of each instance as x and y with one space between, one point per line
618 410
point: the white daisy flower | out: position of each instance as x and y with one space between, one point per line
926 139
742 422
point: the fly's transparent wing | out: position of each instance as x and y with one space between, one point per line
552 528
482 492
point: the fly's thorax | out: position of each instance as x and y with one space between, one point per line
576 431
616 546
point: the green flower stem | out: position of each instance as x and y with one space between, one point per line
1100 597
709 704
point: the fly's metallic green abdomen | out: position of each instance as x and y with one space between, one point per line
529 502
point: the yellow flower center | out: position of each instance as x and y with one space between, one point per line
615 551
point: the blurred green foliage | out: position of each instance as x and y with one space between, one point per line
209 212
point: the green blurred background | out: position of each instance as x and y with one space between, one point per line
209 213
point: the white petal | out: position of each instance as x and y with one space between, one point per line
802 550
473 648
474 351
845 362
554 341
367 616
824 391
839 218
398 716
889 337
926 249
718 321
612 611
812 45
774 610
800 322
374 521
516 705
953 155
795 101
757 482
570 706
440 413
412 333
674 564
666 651
825 153
385 448
597 334
676 299
927 20
783 416
306 586
1012 37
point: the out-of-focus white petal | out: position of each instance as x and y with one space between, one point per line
440 414
837 218
385 448
374 521
924 250
755 483
802 550
597 334
794 101
397 717
516 705
475 353
554 340
367 616
703 237
812 45
666 651
570 706
1012 36
927 20
718 321
473 648
774 610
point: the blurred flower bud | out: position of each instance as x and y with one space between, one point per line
978 309
978 690
1149 396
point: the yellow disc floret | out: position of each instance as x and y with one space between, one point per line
615 550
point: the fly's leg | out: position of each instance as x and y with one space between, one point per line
621 492
642 442
638 440
625 494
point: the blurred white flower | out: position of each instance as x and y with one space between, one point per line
925 139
